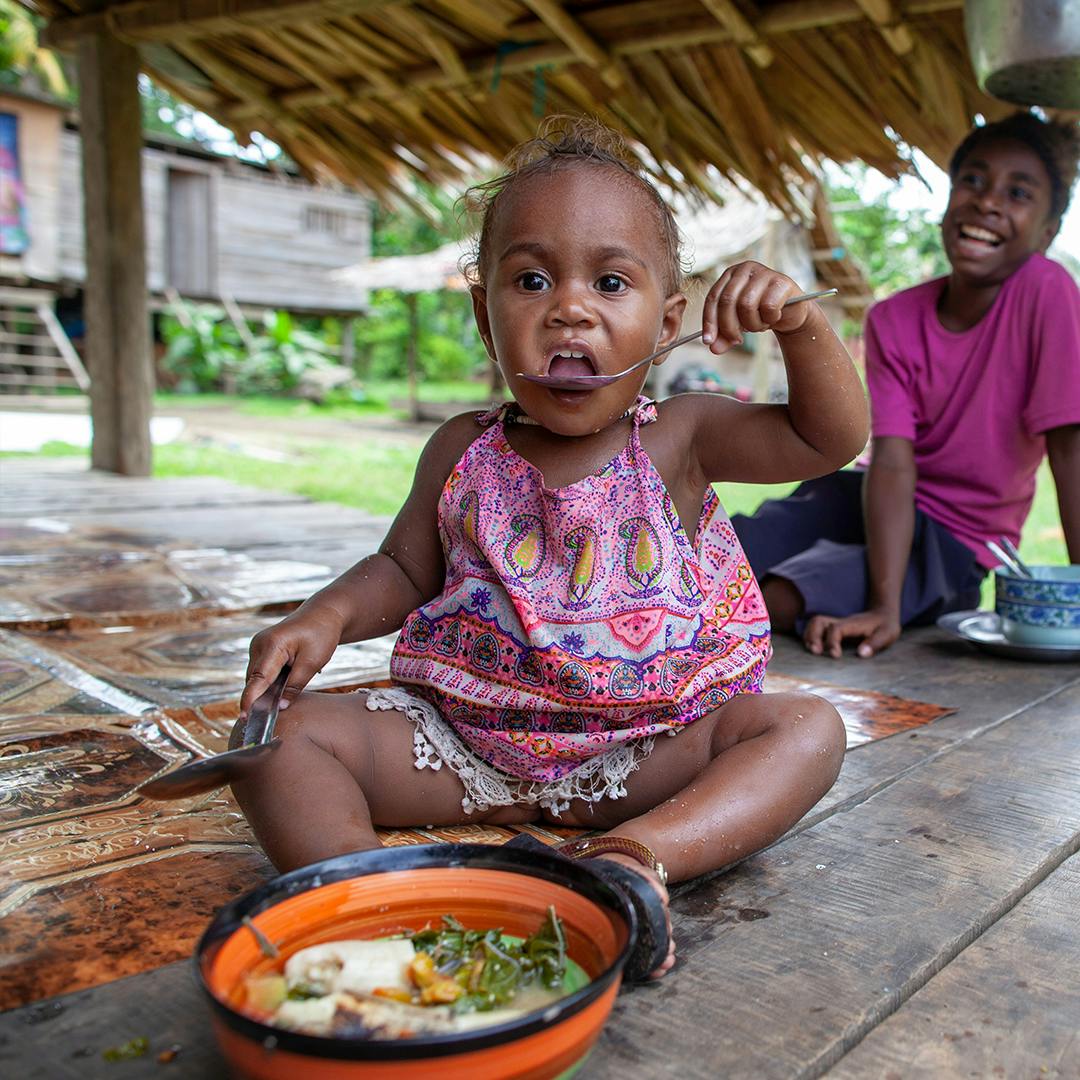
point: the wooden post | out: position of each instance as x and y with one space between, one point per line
117 318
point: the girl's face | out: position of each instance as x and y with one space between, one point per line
998 212
575 285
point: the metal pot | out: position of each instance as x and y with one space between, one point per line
1026 51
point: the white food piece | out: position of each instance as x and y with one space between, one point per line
356 966
313 1015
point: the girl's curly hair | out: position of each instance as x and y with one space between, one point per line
564 142
1055 142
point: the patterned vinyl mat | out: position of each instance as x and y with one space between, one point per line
122 658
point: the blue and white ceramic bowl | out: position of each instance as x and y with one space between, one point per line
1040 610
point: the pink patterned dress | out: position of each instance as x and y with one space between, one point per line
577 621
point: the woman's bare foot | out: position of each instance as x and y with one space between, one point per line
661 890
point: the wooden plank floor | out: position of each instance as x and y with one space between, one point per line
921 921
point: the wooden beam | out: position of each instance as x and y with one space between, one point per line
727 14
117 319
173 20
580 42
885 16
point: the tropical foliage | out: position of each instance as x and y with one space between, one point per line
895 248
21 57
205 352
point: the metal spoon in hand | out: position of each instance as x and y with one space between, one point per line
208 773
594 382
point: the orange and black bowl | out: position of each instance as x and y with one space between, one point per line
374 894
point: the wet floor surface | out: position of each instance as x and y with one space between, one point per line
122 652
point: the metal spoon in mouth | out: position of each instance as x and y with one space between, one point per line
594 382
208 773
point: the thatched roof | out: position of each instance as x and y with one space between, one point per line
373 91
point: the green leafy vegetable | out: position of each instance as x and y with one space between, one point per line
491 967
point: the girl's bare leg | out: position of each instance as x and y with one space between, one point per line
727 785
341 766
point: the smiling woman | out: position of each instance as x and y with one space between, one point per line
972 381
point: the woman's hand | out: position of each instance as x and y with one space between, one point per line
750 297
877 628
306 639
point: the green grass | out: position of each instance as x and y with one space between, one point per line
375 479
386 396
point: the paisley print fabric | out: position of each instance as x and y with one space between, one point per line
576 618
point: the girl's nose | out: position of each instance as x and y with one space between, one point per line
570 306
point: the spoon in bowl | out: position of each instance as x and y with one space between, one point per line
594 382
208 773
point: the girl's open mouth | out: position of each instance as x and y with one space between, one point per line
571 362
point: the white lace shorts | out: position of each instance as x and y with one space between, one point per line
435 744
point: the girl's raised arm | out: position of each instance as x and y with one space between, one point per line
825 422
375 596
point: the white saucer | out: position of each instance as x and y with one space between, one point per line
983 628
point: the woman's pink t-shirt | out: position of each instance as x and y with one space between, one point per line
976 404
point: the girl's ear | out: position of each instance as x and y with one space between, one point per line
674 306
483 324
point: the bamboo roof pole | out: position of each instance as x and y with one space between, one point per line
349 163
240 52
568 30
885 15
375 65
729 157
942 111
479 17
455 121
275 43
919 98
748 39
512 108
412 23
247 88
571 83
411 123
437 167
743 135
831 97
806 98
380 42
325 52
694 129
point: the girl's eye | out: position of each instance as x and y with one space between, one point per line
531 281
1020 194
971 180
610 283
